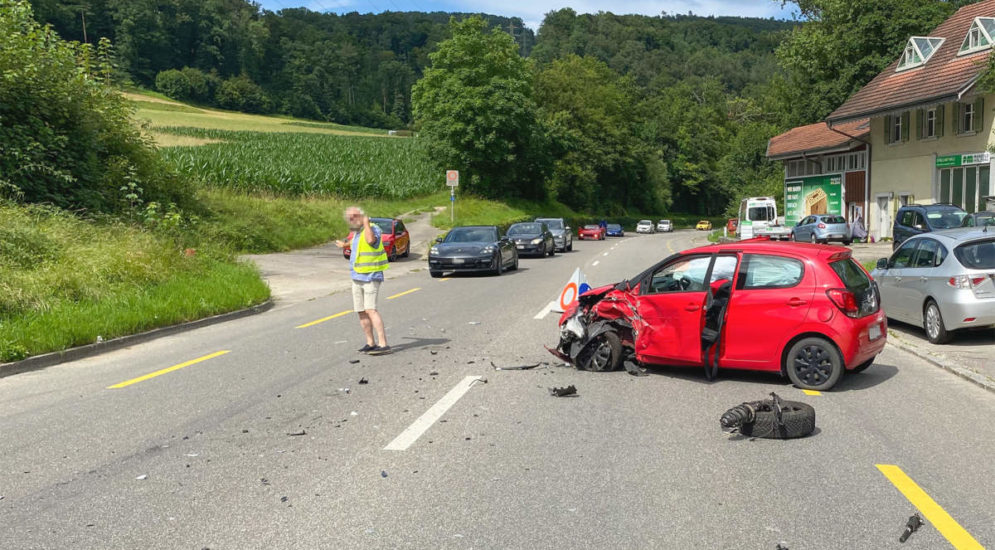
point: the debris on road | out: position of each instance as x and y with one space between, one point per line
563 392
302 432
474 323
142 477
520 367
363 381
383 473
264 481
353 361
913 525
632 368
354 413
284 499
344 390
433 373
771 418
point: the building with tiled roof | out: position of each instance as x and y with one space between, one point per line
930 126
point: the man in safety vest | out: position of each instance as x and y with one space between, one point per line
368 261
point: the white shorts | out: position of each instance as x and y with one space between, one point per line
364 295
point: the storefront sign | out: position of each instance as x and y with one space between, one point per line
812 195
952 161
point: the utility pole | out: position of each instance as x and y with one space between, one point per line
82 14
511 31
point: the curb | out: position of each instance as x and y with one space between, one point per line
89 350
963 372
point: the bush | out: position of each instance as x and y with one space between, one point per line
242 94
202 85
66 137
174 84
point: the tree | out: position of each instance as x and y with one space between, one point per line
174 84
475 108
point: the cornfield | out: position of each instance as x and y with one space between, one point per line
307 164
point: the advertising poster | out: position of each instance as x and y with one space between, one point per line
812 195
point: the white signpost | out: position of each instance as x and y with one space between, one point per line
452 180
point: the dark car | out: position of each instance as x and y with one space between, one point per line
532 238
396 240
472 248
979 219
615 230
914 219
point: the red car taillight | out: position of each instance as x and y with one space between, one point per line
822 226
845 301
965 281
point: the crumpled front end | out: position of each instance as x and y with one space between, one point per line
596 312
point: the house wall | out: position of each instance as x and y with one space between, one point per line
906 171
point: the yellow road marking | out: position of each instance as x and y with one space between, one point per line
954 533
323 319
812 392
444 279
670 246
403 293
166 370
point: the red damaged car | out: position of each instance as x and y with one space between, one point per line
595 232
806 311
396 239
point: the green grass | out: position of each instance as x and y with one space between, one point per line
64 281
306 164
165 107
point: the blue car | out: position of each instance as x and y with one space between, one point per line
615 230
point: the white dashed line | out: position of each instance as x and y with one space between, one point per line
596 262
545 311
431 416
605 254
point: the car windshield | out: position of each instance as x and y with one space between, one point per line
664 221
945 219
855 279
592 227
977 254
644 222
524 229
386 226
472 235
553 224
760 213
614 226
833 219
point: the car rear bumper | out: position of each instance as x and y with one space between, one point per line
859 347
964 305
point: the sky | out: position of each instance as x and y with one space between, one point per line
533 11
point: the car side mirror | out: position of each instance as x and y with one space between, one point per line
920 227
882 263
438 240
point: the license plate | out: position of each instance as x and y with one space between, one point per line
874 332
521 247
458 261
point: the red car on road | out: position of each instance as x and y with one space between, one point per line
596 232
396 239
806 311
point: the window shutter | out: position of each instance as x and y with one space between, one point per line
906 116
939 120
979 114
887 129
920 114
957 128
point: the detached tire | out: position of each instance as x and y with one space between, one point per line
603 354
798 418
814 363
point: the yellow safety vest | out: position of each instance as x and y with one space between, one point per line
370 259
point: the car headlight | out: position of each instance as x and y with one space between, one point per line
537 240
434 250
487 250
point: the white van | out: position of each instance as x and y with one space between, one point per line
756 214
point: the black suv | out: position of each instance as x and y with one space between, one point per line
913 219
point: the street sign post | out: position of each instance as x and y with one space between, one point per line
452 180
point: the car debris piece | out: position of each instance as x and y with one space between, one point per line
353 361
520 367
142 477
363 381
913 525
433 373
563 392
781 546
383 473
302 432
632 368
283 499
771 419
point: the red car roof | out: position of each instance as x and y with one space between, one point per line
761 245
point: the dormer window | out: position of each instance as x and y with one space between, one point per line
918 51
979 37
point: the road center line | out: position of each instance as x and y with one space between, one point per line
605 254
812 392
545 311
596 262
403 293
323 319
946 525
431 416
167 370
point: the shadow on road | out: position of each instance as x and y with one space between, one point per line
851 381
419 343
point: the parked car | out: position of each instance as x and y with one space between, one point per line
562 236
395 237
615 230
664 226
943 281
732 225
704 225
808 311
822 228
645 226
591 232
532 238
472 248
913 219
979 219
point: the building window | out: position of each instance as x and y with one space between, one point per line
929 126
970 116
918 51
967 118
979 37
896 126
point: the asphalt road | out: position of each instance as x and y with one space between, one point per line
201 456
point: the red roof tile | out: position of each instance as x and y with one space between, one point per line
943 78
816 137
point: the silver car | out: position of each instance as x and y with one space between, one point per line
645 226
822 228
664 226
942 281
562 237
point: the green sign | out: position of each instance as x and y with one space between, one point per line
953 161
812 195
947 161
